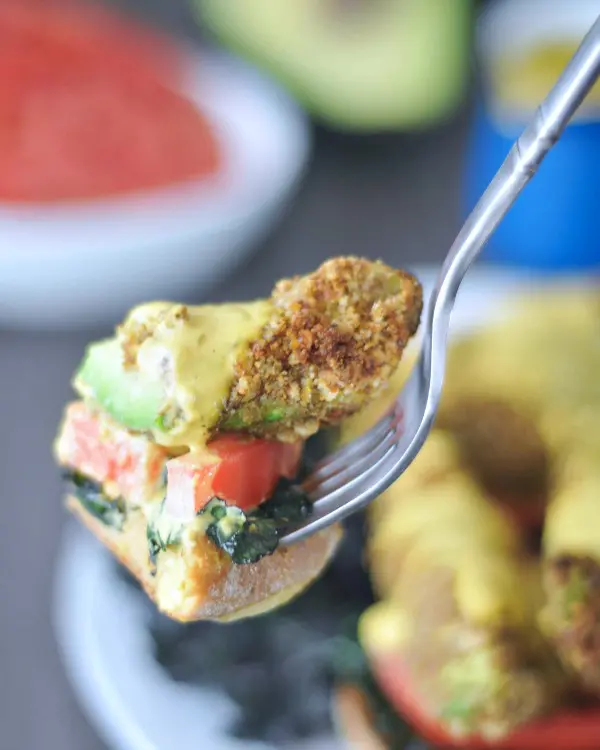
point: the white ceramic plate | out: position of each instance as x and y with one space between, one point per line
101 627
88 263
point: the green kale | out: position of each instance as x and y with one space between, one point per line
247 538
90 494
159 540
257 539
289 504
229 522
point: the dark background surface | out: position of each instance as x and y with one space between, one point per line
392 197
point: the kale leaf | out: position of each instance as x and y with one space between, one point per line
247 538
89 493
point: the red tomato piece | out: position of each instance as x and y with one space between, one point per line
568 729
126 464
242 471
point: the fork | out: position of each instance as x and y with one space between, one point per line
349 479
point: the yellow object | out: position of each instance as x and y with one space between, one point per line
200 346
384 627
522 80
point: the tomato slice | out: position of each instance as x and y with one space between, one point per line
242 471
110 454
568 729
107 39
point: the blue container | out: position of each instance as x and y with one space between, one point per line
555 224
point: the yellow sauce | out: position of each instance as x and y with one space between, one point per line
523 80
384 627
573 521
195 350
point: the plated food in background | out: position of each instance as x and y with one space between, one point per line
184 452
152 170
484 556
571 617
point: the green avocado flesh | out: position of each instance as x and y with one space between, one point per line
362 65
134 400
182 367
242 419
130 398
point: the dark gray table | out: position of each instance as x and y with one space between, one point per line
394 198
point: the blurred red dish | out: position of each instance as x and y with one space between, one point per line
89 107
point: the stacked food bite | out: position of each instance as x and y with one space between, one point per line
184 454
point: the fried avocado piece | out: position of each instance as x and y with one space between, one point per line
333 343
542 351
572 614
460 600
571 617
451 509
482 670
316 351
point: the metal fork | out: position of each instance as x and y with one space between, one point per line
348 480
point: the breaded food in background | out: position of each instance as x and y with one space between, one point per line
543 351
490 635
459 601
500 444
571 616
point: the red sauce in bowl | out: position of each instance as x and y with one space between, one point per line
89 107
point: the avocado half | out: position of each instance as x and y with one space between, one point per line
357 65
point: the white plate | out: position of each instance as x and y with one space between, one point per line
88 263
101 627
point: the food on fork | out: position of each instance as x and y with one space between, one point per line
315 352
185 452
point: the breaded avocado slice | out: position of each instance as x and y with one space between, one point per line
571 617
315 352
477 675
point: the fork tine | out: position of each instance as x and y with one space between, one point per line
328 501
349 469
335 505
354 484
339 460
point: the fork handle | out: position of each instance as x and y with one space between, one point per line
521 164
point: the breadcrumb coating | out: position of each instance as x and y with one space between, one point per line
572 614
335 339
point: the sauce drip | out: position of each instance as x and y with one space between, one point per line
195 348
